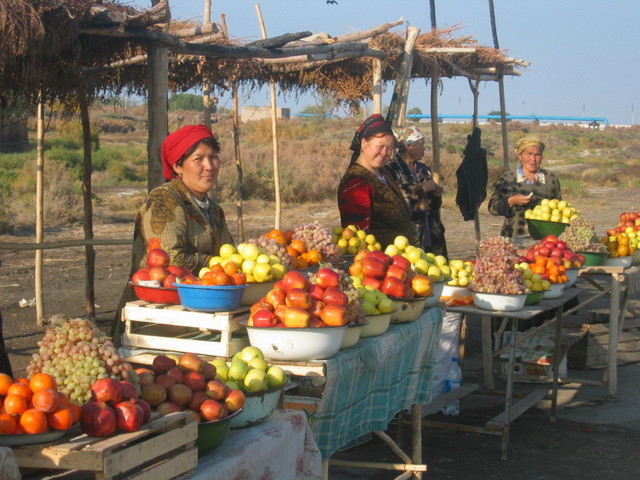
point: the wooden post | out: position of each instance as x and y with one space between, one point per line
274 130
39 210
435 125
503 108
87 224
398 107
377 86
236 149
206 90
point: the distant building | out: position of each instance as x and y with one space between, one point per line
260 113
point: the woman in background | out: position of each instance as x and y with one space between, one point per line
368 196
416 180
515 192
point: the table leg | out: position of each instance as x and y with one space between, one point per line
612 354
509 393
325 469
487 352
556 365
416 436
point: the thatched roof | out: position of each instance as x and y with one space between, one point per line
64 48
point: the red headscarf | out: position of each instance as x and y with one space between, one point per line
177 144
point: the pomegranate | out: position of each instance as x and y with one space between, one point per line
129 416
194 380
162 364
128 390
176 373
154 394
98 419
146 409
166 381
107 390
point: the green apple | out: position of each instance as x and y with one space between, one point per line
392 250
262 272
238 370
263 258
434 273
259 363
457 264
227 250
278 271
248 266
255 380
250 252
401 242
421 266
369 308
440 260
222 372
233 384
276 376
414 255
248 353
236 258
386 305
430 257
371 296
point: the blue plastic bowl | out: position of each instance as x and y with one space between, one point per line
210 298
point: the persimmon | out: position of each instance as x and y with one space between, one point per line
230 268
40 381
45 400
298 245
22 380
8 424
291 251
76 410
288 235
63 400
216 267
314 257
277 235
60 419
5 381
20 389
302 262
15 404
34 421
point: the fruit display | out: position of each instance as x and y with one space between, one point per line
425 263
580 236
317 237
76 353
621 244
328 298
249 371
462 272
158 272
495 270
114 406
552 210
392 275
352 239
34 405
188 382
372 300
550 258
255 263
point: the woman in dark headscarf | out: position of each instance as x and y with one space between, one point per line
190 225
368 197
417 182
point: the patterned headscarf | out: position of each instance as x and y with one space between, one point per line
529 141
372 125
177 144
408 135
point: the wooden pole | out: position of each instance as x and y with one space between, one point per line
435 125
397 109
274 130
206 89
503 107
377 86
87 224
39 211
236 149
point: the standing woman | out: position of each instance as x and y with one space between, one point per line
368 197
423 193
515 192
190 225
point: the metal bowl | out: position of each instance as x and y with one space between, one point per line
539 229
254 292
432 299
451 290
407 309
351 337
555 291
257 407
572 276
296 344
210 298
618 261
534 297
378 324
212 434
499 301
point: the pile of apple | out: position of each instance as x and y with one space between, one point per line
392 275
249 371
372 300
114 405
254 262
550 258
624 238
552 210
425 263
462 272
190 383
352 239
158 272
296 302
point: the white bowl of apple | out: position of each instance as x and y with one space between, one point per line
499 301
377 325
407 309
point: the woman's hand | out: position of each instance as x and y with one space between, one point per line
519 200
431 186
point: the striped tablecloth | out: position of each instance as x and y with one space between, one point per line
368 384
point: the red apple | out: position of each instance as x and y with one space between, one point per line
334 315
296 317
327 277
394 287
297 297
380 256
401 261
316 322
374 267
316 291
196 400
212 410
162 364
396 271
158 258
372 282
556 252
264 318
276 297
561 245
259 305
141 275
316 308
194 380
169 280
157 273
294 279
333 295
543 250
234 400
216 390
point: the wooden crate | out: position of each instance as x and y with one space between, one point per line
172 328
591 351
162 449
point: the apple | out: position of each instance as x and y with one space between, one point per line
296 317
158 273
333 295
234 400
421 285
212 410
255 381
374 267
216 390
401 261
355 269
260 304
316 307
141 275
158 258
276 376
334 315
316 291
393 287
327 277
386 305
556 252
294 279
372 282
297 297
397 271
169 280
264 318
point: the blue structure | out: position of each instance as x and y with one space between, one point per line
592 120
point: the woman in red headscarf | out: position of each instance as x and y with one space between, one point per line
190 225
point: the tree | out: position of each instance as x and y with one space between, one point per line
414 111
497 113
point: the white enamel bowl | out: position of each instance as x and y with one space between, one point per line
378 324
555 291
499 301
618 261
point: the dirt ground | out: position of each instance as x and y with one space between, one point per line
539 449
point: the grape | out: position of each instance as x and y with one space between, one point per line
76 353
580 236
318 237
494 271
273 247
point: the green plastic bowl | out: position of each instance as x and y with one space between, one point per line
539 229
594 259
533 298
212 434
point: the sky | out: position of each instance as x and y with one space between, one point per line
583 53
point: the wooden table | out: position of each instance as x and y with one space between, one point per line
490 351
623 282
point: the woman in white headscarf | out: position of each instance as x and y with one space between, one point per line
423 193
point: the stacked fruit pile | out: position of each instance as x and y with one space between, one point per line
248 262
551 258
351 240
580 236
249 371
35 405
462 272
190 383
392 275
552 210
624 238
425 263
495 270
158 272
317 237
76 353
